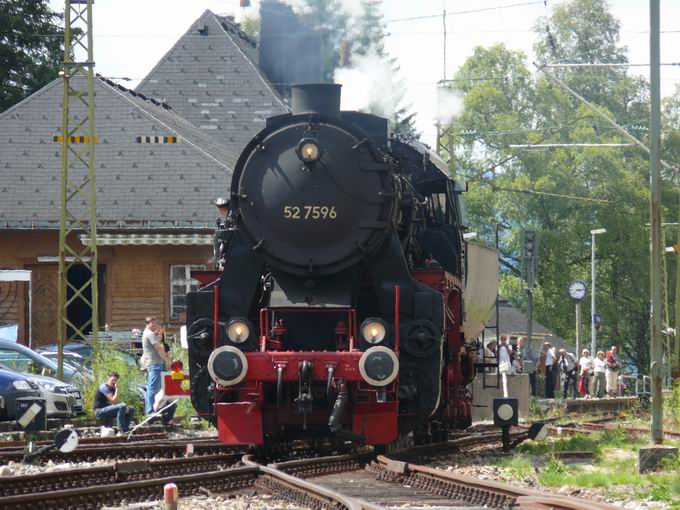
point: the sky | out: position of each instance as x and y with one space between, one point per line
130 36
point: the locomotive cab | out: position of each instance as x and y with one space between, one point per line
329 316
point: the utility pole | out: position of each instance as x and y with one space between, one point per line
676 340
578 329
78 190
593 271
655 221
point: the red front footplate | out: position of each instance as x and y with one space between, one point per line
239 423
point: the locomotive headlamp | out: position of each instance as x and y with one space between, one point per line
379 366
308 150
374 330
227 365
238 330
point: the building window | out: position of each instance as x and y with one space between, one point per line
181 282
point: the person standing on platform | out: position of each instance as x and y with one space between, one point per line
504 356
585 379
569 367
156 360
612 365
524 355
599 381
549 370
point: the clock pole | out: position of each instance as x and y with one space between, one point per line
577 291
578 329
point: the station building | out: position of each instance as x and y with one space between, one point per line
164 152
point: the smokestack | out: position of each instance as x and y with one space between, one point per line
321 98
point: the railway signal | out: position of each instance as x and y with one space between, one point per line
529 258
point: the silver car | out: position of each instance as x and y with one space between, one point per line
62 400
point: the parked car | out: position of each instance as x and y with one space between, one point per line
83 351
12 387
73 359
26 361
62 400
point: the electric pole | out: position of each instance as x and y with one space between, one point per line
78 190
655 223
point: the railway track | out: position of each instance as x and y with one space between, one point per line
125 451
120 472
385 482
358 481
91 440
589 427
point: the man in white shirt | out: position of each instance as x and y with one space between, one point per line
549 370
599 380
504 356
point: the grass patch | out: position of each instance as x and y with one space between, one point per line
518 466
615 464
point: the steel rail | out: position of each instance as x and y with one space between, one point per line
143 490
503 495
635 430
279 482
116 473
91 440
125 451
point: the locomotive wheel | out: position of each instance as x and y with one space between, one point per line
201 396
421 339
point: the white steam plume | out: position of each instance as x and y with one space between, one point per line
449 105
370 85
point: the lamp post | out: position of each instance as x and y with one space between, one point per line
593 333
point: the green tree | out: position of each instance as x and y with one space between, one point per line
584 32
31 48
561 193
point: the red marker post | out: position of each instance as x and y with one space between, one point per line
170 496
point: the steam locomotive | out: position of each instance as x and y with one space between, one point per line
339 309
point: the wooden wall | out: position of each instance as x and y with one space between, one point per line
136 282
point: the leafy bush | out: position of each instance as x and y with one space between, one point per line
673 404
106 358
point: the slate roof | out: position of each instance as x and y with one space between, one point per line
139 185
212 78
514 322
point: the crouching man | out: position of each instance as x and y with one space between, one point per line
107 404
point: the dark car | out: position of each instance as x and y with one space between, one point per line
84 352
12 387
